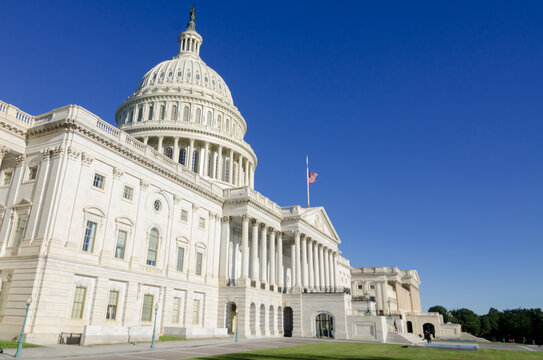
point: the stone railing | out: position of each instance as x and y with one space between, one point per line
15 115
291 210
247 192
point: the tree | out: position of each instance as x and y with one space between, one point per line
440 309
468 319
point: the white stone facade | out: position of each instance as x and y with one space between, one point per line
110 230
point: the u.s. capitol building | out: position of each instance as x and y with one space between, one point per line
107 230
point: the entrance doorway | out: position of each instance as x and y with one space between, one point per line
287 322
410 327
430 327
232 319
324 324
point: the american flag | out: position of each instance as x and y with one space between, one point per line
312 177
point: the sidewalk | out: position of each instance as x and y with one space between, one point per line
163 350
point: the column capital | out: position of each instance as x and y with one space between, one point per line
296 232
254 222
245 218
3 151
302 236
263 226
279 234
226 219
270 230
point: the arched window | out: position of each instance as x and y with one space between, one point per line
209 118
162 111
131 117
186 114
195 160
152 250
169 152
219 121
198 118
174 112
151 108
140 113
182 156
210 164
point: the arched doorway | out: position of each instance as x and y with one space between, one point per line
252 315
272 320
287 322
263 320
410 327
231 318
430 327
324 325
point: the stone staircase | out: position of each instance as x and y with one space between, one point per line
403 338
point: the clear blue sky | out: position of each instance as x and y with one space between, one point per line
423 119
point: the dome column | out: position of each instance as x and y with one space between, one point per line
189 154
231 172
159 146
219 167
240 171
176 149
206 159
145 140
201 161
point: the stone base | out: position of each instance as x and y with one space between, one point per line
94 334
196 333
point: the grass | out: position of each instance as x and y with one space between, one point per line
10 344
363 351
171 338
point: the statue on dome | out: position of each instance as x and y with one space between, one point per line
192 25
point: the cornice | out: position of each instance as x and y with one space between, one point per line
71 125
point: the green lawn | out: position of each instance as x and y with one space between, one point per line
170 338
8 344
363 351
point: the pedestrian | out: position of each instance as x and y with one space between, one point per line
395 326
428 336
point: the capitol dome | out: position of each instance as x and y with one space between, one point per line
185 111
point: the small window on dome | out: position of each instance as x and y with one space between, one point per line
205 79
188 75
170 74
220 86
213 82
179 73
197 76
154 76
162 75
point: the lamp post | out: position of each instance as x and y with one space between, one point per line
237 321
22 335
154 326
368 311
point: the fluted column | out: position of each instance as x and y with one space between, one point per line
263 253
273 257
213 174
246 177
244 247
321 268
335 273
201 161
293 262
240 171
251 175
330 270
326 268
225 241
175 156
305 277
231 170
219 169
189 155
298 282
310 267
159 147
145 140
378 296
206 159
280 270
254 251
316 265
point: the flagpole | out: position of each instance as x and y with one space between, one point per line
307 177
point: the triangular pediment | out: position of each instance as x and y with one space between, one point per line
23 203
317 218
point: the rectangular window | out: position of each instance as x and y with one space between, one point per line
111 313
79 302
90 235
359 287
202 223
6 179
184 215
196 311
180 258
372 287
128 193
176 307
147 309
199 258
32 173
121 243
19 229
98 181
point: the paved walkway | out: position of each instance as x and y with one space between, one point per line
168 350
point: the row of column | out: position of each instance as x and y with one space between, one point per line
313 265
222 161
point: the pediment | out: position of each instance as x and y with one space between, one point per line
317 218
23 203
